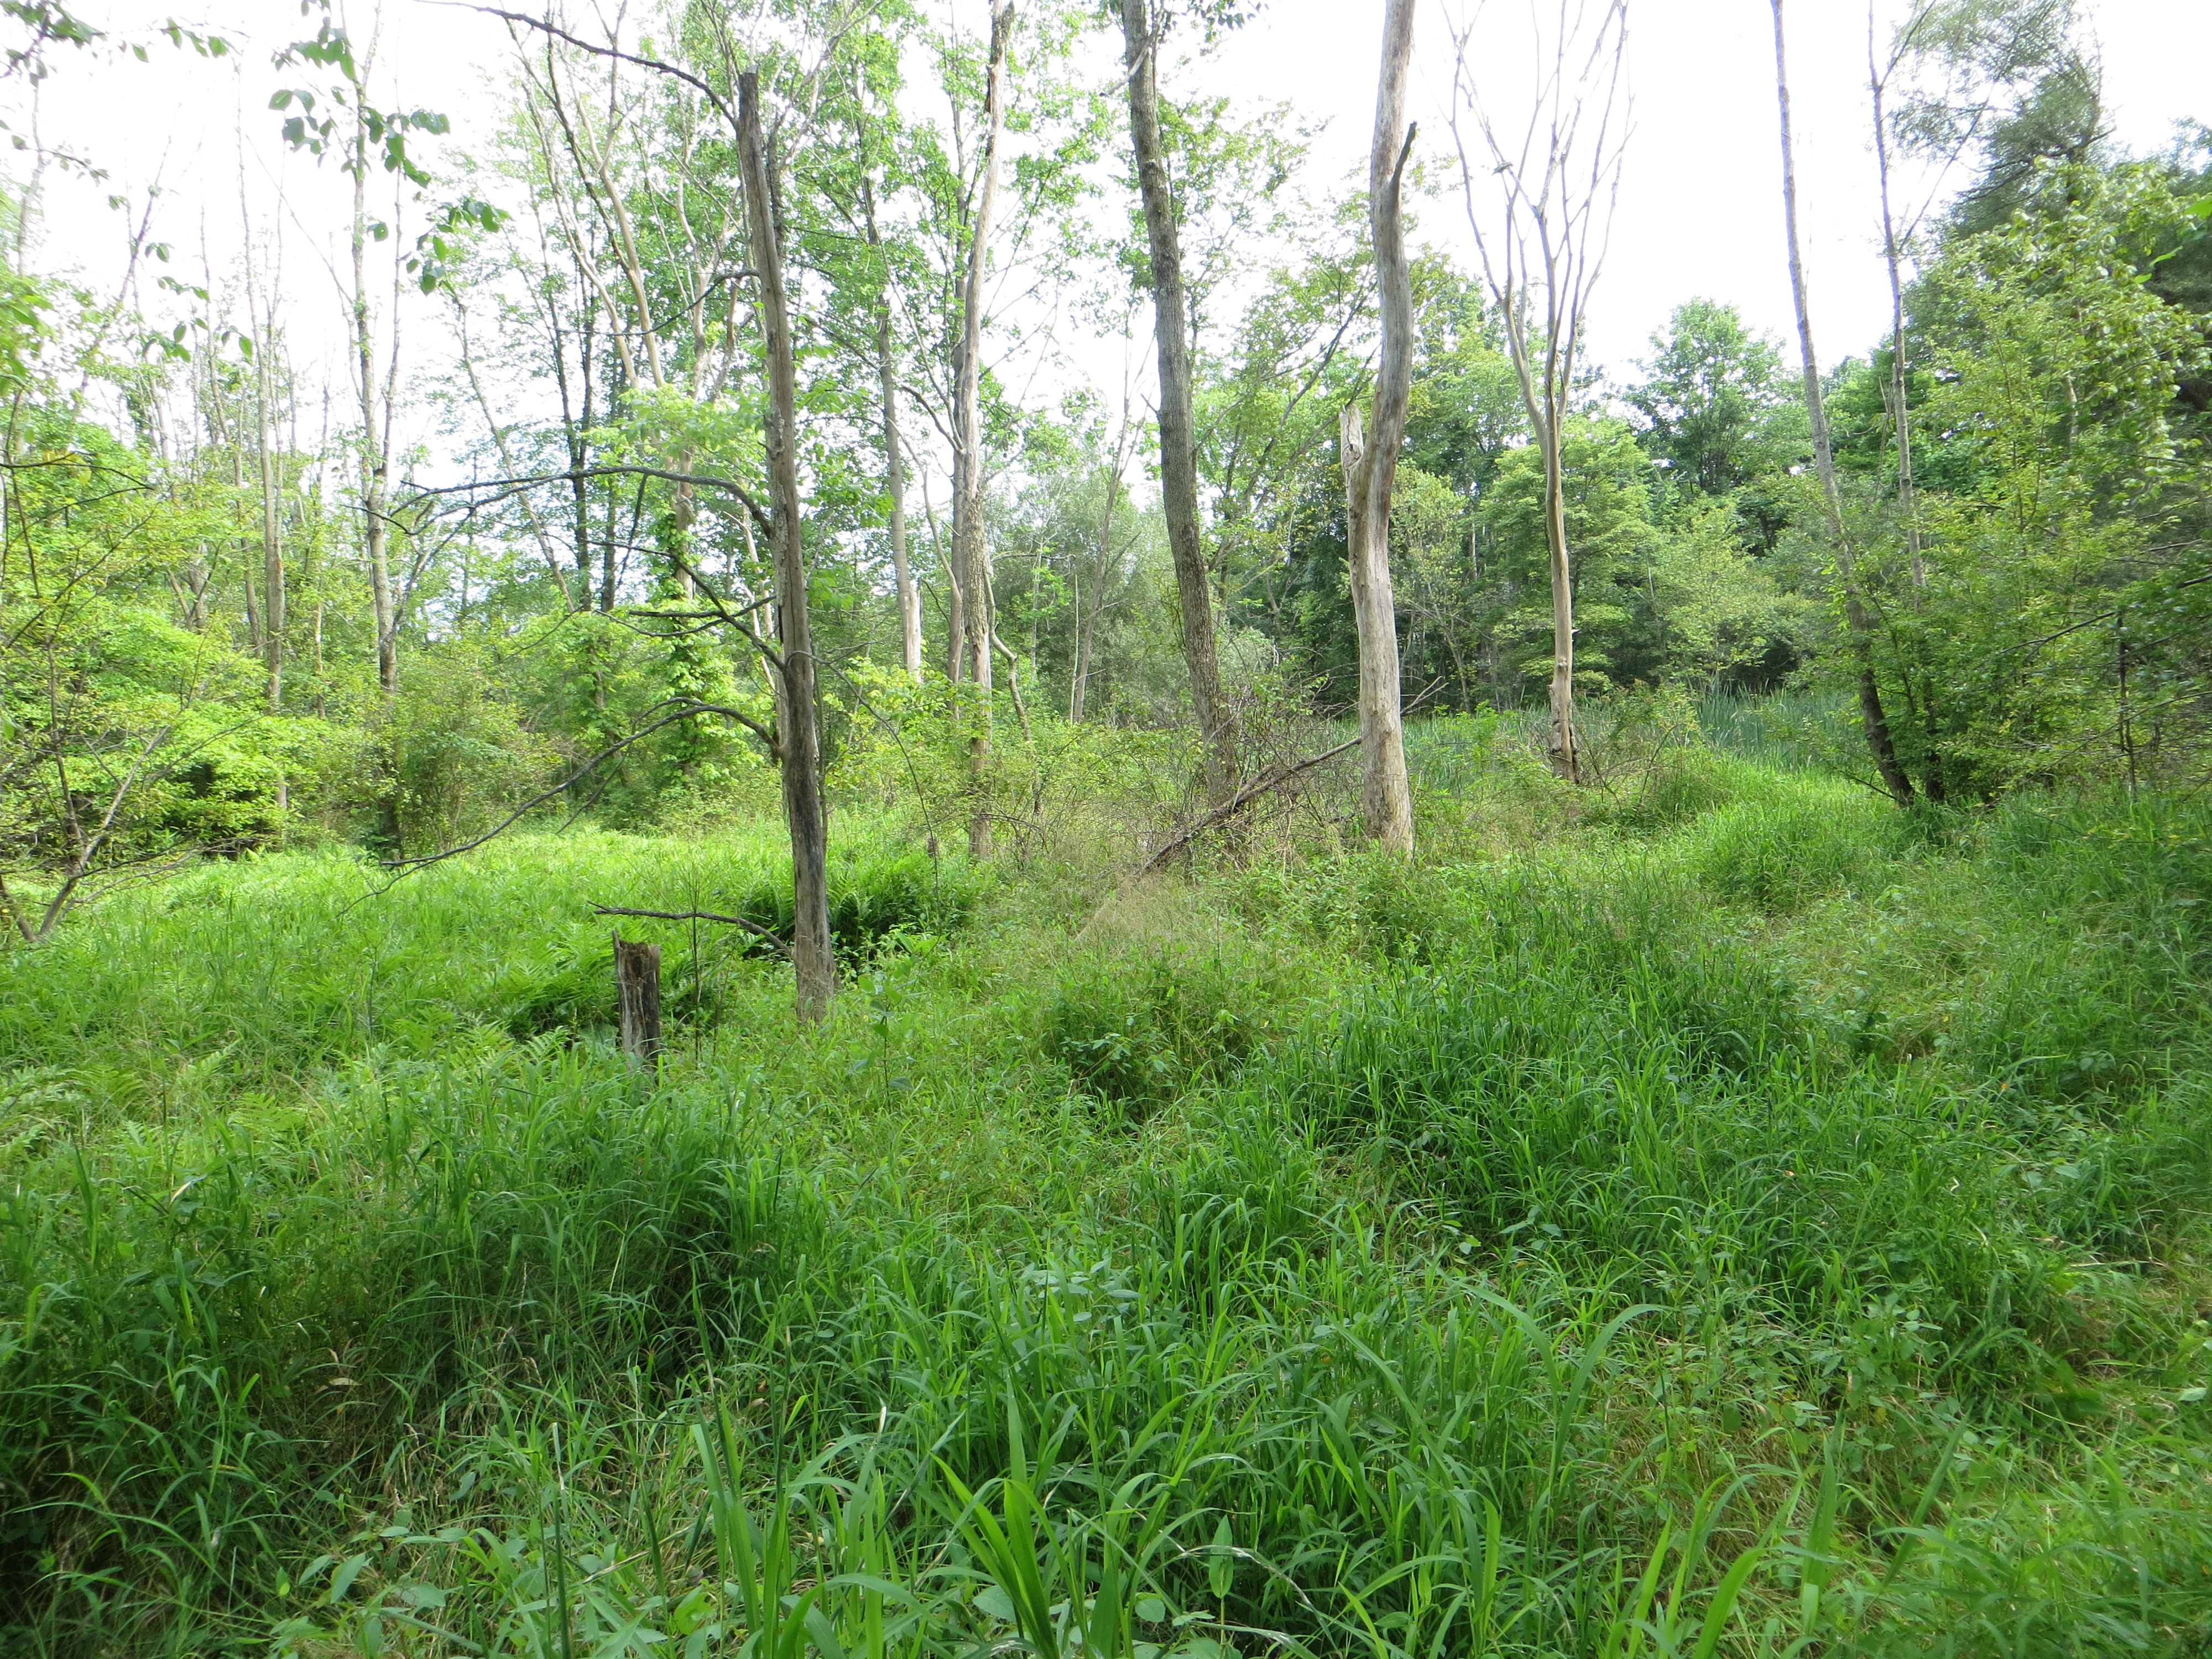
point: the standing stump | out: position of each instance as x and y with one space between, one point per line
637 982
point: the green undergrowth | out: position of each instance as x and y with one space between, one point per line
1731 1218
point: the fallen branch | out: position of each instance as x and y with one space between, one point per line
695 915
1273 779
408 866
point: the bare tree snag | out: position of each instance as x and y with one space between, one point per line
637 988
1556 182
1371 458
811 951
970 556
1141 26
1859 625
375 456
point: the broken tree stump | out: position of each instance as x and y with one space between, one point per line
637 983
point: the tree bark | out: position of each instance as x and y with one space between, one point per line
1178 443
374 463
1900 411
1371 459
1859 625
909 596
971 557
637 986
1900 407
272 544
1566 746
812 953
894 461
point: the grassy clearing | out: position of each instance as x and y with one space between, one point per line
1721 1217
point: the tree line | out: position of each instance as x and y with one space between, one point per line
729 336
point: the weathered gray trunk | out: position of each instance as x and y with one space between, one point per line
804 815
970 553
1371 459
1178 442
374 463
1564 749
1859 625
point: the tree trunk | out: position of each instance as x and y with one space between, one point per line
1858 623
970 554
1899 395
1900 411
374 463
1178 443
272 545
1371 459
805 815
909 596
637 986
1565 749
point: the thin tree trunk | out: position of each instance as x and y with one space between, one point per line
1079 694
909 596
1178 445
1900 397
1567 747
812 953
970 552
1371 459
1900 410
1858 623
374 474
272 544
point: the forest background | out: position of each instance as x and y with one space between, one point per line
560 301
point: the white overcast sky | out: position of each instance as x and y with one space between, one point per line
1699 212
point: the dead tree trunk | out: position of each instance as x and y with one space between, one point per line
375 456
1859 625
1140 26
970 556
637 986
1371 458
1556 185
811 954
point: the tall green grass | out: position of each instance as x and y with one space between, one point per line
1758 1227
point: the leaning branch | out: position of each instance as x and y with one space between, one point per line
515 486
1273 779
545 27
695 915
409 865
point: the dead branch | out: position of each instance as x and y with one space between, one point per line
753 928
1273 778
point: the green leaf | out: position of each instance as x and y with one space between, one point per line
342 1580
1716 1616
994 1603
